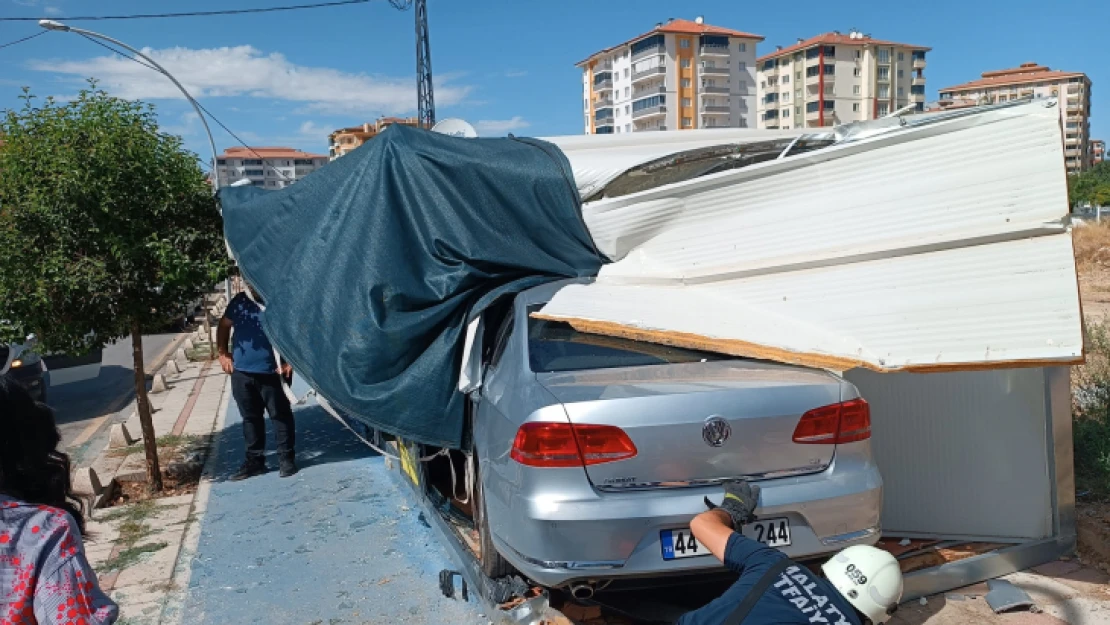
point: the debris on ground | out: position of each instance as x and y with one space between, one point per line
1004 596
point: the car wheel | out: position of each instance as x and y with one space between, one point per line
493 565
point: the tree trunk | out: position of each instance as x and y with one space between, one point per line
208 329
146 420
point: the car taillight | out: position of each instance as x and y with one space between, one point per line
570 445
846 422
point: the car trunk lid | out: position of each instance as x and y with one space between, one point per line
699 422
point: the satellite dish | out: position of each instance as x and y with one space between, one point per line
455 127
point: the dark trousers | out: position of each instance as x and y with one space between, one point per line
256 393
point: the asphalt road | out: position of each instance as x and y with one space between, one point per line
85 409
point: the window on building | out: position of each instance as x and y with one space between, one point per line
920 107
855 90
901 92
687 122
786 113
684 43
901 56
646 103
252 161
883 54
855 107
785 96
769 64
786 79
900 73
626 109
884 91
918 55
685 63
301 161
626 92
859 54
254 172
685 83
857 72
830 69
618 112
258 183
828 88
813 71
743 47
742 66
628 127
884 73
686 102
742 84
916 89
221 161
626 72
884 109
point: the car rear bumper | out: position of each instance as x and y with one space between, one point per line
556 539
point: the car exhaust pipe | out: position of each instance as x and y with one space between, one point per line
582 591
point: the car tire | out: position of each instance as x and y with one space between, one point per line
493 565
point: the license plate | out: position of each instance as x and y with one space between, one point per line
681 543
771 532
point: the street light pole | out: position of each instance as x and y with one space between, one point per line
58 26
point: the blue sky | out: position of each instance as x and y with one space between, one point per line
506 66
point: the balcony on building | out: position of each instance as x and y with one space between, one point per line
603 130
603 81
716 109
714 90
918 81
603 117
713 45
648 47
715 71
603 100
649 107
649 91
814 74
918 59
649 74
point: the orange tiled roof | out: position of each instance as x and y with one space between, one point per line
680 27
1025 73
268 152
837 39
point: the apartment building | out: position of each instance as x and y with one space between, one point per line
682 74
272 168
836 78
1098 151
346 139
1030 80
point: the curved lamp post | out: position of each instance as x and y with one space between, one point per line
58 26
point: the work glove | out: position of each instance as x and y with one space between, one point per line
740 501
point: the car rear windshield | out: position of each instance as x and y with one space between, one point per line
556 346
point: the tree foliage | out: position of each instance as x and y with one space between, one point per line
1091 186
104 221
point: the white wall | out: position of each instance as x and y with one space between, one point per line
961 454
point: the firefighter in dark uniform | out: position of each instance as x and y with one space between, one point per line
862 584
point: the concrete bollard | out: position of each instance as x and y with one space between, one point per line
119 436
180 354
188 344
159 384
87 482
171 367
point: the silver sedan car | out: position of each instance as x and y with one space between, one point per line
593 453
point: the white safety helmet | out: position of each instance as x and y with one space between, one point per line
869 578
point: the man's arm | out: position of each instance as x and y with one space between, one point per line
713 528
223 336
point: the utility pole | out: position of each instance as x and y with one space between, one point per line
425 99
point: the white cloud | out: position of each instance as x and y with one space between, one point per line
500 126
189 125
516 74
312 129
247 71
49 10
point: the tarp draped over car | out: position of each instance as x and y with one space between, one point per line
371 267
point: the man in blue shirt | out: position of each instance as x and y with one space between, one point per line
862 584
256 385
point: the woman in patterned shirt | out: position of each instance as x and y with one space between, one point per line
45 578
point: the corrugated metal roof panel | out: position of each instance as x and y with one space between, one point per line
931 247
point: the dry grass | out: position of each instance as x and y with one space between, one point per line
1092 245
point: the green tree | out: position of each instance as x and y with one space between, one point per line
106 226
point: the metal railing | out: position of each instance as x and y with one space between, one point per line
713 108
649 91
715 71
714 49
649 111
650 72
660 49
721 90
